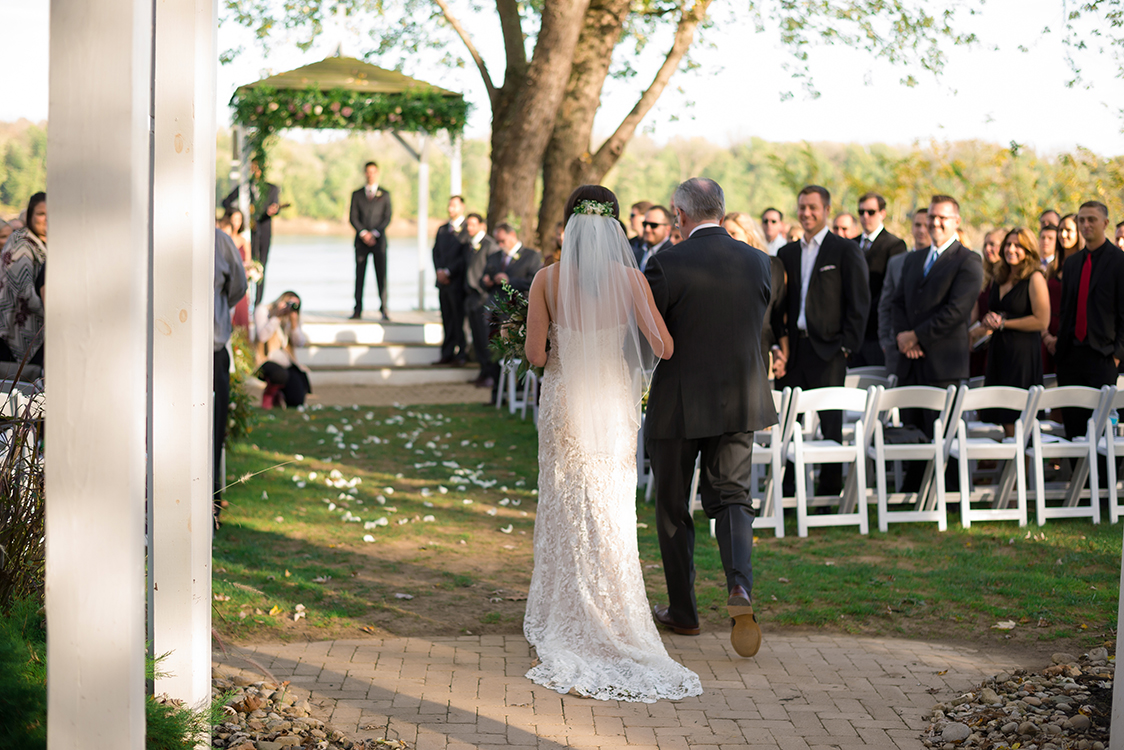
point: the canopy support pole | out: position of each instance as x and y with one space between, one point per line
423 207
455 165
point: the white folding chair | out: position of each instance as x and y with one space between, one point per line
767 451
913 397
1083 448
967 449
509 387
530 396
1110 446
805 452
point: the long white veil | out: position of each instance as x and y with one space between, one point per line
601 311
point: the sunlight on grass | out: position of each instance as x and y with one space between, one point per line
445 497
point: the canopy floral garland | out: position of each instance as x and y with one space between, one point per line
266 110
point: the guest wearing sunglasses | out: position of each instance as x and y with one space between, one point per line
772 222
657 233
878 245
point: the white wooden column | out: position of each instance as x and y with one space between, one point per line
99 192
182 352
455 165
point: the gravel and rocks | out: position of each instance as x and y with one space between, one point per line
264 715
1066 706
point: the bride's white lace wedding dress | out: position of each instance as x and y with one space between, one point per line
587 612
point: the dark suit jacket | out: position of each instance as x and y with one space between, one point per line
1104 313
884 247
775 326
476 258
520 271
713 292
637 245
257 207
371 214
937 307
450 253
838 295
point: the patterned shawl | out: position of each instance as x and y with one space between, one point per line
21 309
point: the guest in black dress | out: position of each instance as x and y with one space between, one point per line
1018 313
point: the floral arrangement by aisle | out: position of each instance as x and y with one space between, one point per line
510 306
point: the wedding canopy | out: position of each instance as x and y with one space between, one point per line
349 94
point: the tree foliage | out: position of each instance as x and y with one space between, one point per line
23 170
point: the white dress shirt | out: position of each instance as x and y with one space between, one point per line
702 226
371 190
809 251
935 252
778 242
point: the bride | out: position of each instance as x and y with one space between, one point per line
587 612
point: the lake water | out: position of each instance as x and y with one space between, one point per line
321 269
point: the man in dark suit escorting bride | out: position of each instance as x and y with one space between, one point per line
708 399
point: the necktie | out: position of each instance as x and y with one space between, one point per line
930 260
1081 327
865 244
506 260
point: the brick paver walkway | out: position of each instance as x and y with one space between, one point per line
469 693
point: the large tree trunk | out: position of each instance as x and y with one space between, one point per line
567 161
524 109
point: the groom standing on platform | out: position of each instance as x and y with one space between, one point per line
370 215
708 399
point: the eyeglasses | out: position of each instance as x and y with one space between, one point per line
867 211
770 221
653 224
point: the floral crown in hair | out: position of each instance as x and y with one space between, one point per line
594 208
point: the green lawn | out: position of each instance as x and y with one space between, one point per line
454 486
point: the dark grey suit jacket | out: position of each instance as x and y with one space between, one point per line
371 214
884 247
713 293
936 307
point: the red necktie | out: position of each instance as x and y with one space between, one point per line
1082 325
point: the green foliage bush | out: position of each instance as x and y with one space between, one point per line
21 508
23 676
242 415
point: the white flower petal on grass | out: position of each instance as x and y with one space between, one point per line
428 519
264 495
427 504
466 501
380 499
331 506
388 490
534 492
461 488
279 519
335 474
426 492
368 538
298 457
491 511
516 503
506 501
503 488
522 514
381 521
301 485
403 596
443 490
403 521
507 529
490 444
312 475
369 525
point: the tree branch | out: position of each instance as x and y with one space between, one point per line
613 146
514 42
463 34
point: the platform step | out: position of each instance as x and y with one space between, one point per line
362 332
375 376
330 356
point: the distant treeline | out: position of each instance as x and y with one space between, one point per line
996 185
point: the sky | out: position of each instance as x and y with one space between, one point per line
989 91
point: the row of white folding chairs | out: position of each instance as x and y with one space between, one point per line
879 408
508 390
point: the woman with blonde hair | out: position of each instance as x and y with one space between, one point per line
774 341
1019 311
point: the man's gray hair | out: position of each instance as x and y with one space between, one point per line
700 199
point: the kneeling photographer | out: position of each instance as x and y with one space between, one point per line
277 326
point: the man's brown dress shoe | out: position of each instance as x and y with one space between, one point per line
660 613
745 636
